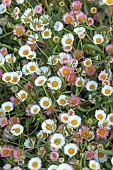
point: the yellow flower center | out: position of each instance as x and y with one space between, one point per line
66 72
7 78
69 41
32 68
54 83
107 91
25 52
7 108
35 164
93 166
100 116
62 101
49 127
41 81
100 155
10 60
109 1
111 119
23 96
74 122
68 19
98 40
101 131
71 151
15 79
45 103
46 33
35 110
57 141
17 130
92 86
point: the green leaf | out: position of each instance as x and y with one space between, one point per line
111 99
94 47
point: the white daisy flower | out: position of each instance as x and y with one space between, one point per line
42 134
2 8
32 55
2 60
98 39
64 166
32 67
17 129
22 95
94 165
100 115
45 71
58 26
91 85
55 83
7 77
67 40
62 100
108 2
46 34
20 1
74 121
35 109
110 119
64 117
25 70
100 157
39 81
34 163
105 123
52 167
70 149
7 106
79 82
79 30
57 141
87 62
15 78
36 25
44 19
29 143
9 58
52 60
45 102
24 51
107 90
33 39
48 126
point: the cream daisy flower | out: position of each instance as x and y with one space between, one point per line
67 39
45 102
10 59
107 90
79 82
34 163
55 83
62 100
33 39
29 143
2 60
7 106
108 2
17 129
64 117
74 121
57 141
42 135
110 119
24 51
48 126
70 149
100 115
35 109
98 39
64 166
58 26
94 165
87 62
2 8
44 19
39 81
79 30
32 67
52 167
46 34
22 95
7 77
91 85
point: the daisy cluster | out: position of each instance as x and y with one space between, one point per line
56 83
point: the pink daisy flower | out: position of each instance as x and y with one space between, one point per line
6 2
6 151
15 100
19 30
89 154
14 120
38 9
78 54
28 86
90 21
18 153
77 137
1 73
74 100
102 132
81 17
71 78
103 75
109 48
65 71
16 168
90 70
54 156
68 18
76 5
3 121
84 131
3 51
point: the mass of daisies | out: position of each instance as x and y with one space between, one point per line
56 85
